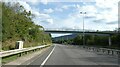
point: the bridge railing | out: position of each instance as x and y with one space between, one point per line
107 51
20 51
81 30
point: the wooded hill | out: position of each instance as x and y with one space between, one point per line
18 25
91 40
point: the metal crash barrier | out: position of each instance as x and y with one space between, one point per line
20 51
103 50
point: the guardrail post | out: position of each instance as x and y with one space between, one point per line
119 58
103 50
108 52
92 49
109 40
97 49
20 54
112 52
117 52
26 52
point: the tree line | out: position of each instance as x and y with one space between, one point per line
93 40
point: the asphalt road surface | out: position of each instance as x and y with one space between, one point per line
72 55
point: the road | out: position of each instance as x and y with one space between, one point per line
72 55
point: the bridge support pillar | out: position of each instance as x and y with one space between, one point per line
109 40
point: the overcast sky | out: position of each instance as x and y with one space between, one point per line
100 14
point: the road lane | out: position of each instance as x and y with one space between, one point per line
40 58
71 55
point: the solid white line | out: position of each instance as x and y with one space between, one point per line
43 63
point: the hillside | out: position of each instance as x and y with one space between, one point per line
66 37
17 25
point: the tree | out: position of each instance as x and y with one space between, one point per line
17 25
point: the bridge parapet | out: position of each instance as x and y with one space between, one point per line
61 30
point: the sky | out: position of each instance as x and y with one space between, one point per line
100 14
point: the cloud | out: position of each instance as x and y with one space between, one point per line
102 14
94 15
90 17
103 6
58 9
112 23
90 10
86 8
49 21
45 1
26 5
99 21
43 18
48 10
68 6
43 21
23 3
106 3
39 17
34 2
64 7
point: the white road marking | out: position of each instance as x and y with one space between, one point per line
43 63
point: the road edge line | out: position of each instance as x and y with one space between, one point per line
43 63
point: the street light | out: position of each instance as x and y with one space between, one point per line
83 13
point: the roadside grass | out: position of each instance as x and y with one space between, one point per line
9 59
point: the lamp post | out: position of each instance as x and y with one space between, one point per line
83 13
